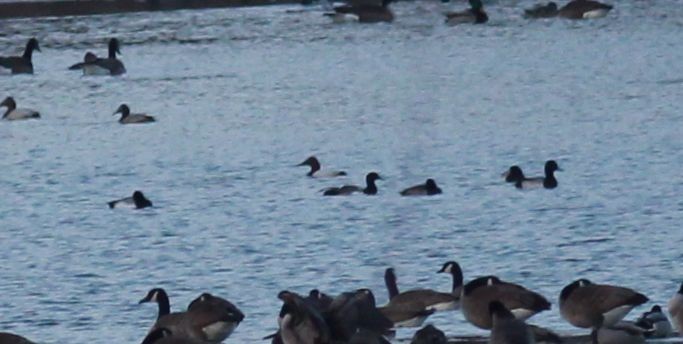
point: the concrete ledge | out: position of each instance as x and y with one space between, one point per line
25 9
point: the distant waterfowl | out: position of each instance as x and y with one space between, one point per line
479 293
316 172
548 10
370 188
425 298
474 15
655 323
548 182
506 328
10 338
584 9
21 64
365 13
137 201
12 113
165 336
676 310
128 118
513 174
588 305
93 65
429 335
620 333
429 188
300 323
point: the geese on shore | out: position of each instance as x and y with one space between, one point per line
13 113
429 188
474 15
676 310
137 201
132 118
21 64
507 329
584 9
364 13
317 172
93 65
370 187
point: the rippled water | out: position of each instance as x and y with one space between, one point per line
241 95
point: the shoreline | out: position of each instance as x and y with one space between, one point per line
32 9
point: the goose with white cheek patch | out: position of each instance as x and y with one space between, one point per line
480 292
21 64
584 9
346 190
13 113
585 304
137 201
317 172
429 188
132 118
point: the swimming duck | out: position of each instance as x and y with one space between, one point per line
128 118
588 305
137 201
513 174
548 182
316 172
548 10
676 309
10 338
474 15
370 189
506 328
584 9
655 323
480 292
429 188
93 65
21 64
13 113
427 298
429 335
365 13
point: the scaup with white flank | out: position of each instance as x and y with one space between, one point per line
506 328
370 188
585 304
474 15
429 188
676 309
13 114
548 10
365 13
129 118
584 9
21 64
137 201
548 182
478 294
316 172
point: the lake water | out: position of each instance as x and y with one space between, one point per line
242 95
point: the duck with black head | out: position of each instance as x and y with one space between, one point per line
13 113
317 172
21 64
132 118
584 9
370 188
655 323
474 15
548 181
364 13
137 201
429 188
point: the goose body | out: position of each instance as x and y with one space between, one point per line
676 310
21 64
10 338
365 13
474 15
137 201
429 188
13 114
317 172
588 305
584 9
548 10
506 328
429 299
479 293
208 303
429 335
370 188
130 118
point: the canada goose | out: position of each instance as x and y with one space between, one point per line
478 293
13 113
429 188
584 9
412 315
429 335
213 304
588 305
474 15
356 311
370 188
10 338
21 64
453 268
676 309
620 333
506 328
366 13
205 323
301 324
427 298
548 182
316 299
128 118
137 201
93 65
316 172
164 336
548 10
655 323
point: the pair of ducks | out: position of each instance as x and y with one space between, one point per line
13 113
374 13
429 188
575 9
92 65
515 175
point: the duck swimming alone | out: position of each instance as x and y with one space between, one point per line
366 13
137 201
316 172
548 10
13 113
93 65
429 188
21 64
584 9
370 188
521 182
128 118
474 15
